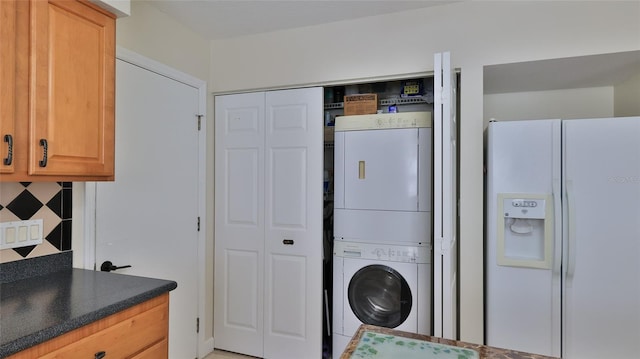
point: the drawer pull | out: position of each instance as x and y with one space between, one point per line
287 242
100 355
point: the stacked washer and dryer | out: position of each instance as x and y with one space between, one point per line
382 224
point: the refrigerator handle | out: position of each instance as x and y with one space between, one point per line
557 218
571 230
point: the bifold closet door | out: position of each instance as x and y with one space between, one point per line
268 241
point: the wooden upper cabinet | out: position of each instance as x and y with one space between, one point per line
7 84
72 85
57 91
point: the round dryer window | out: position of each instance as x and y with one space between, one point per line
379 295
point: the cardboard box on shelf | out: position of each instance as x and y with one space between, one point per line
361 104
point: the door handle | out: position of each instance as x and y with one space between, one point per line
107 266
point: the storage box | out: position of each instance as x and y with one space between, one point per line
362 104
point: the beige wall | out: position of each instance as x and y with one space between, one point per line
477 33
627 97
565 104
153 34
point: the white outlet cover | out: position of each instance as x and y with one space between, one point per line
17 234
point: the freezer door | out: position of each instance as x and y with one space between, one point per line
602 253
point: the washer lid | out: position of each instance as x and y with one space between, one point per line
379 295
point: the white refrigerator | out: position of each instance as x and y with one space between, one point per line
562 251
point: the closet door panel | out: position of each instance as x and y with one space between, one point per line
293 202
239 224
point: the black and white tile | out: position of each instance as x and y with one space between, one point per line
49 201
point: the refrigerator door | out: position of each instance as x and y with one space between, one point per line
522 299
602 253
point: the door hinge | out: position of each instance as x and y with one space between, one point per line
199 121
197 325
198 224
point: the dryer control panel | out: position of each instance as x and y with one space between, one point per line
383 252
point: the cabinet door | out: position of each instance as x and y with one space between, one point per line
71 127
7 84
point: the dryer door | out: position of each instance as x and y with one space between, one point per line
380 295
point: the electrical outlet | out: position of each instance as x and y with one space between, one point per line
17 234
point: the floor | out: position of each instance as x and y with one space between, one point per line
220 354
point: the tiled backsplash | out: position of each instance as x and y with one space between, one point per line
49 201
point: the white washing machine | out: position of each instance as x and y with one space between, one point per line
388 285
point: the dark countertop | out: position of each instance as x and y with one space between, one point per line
36 309
365 350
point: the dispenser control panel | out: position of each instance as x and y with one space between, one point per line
524 208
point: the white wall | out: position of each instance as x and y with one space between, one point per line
566 104
627 97
477 33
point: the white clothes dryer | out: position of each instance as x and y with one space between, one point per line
381 284
383 178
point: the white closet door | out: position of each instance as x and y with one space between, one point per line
239 223
268 237
445 201
293 210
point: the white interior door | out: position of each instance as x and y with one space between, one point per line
268 242
147 217
445 249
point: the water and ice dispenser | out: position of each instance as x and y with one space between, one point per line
525 230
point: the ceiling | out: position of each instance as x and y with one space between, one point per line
221 19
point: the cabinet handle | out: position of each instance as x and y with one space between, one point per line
45 149
9 140
287 242
100 355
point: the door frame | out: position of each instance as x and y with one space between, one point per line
205 345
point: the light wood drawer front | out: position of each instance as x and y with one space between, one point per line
121 340
158 351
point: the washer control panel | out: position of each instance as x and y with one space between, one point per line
383 252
